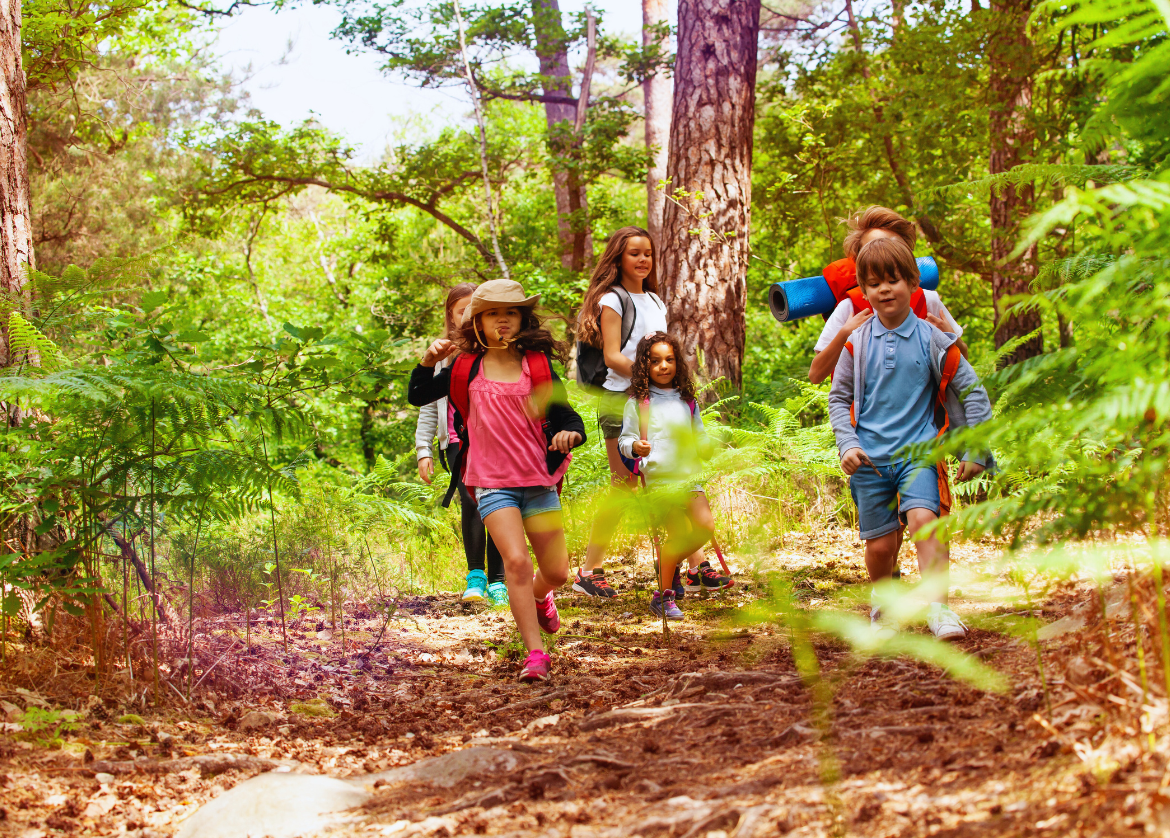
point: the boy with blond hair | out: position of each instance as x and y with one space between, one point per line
883 401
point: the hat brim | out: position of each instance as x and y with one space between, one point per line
480 305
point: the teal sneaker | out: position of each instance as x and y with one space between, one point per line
498 593
476 586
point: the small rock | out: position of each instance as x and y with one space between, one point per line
256 720
451 769
1073 622
104 778
325 634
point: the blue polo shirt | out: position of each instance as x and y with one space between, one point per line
897 407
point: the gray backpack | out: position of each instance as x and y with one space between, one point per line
591 368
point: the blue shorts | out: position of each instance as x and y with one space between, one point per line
530 500
883 497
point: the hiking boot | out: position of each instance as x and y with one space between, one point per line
476 586
547 616
664 601
498 594
536 666
704 578
945 623
880 626
593 584
676 584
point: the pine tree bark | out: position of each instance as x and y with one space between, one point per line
704 278
557 80
656 93
16 253
1012 65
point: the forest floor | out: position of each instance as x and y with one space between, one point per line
707 732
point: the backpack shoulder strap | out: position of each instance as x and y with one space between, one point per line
693 405
463 370
918 304
628 313
949 368
540 370
849 346
860 303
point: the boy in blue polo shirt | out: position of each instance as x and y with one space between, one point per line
883 401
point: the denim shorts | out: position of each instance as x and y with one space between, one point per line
884 496
530 500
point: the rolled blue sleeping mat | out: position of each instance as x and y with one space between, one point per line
796 299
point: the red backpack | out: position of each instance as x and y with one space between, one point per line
842 279
466 367
941 419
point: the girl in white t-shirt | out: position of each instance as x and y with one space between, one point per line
864 227
625 275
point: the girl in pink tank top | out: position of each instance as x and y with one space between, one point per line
517 439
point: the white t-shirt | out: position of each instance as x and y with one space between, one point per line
649 317
844 310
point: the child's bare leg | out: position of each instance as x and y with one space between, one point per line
609 515
546 532
881 553
934 559
703 520
506 528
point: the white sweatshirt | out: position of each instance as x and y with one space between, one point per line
676 439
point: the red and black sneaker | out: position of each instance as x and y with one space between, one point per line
705 578
593 584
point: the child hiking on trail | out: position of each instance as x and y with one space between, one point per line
517 429
620 307
898 369
438 419
866 226
663 430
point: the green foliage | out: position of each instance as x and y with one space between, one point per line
1082 431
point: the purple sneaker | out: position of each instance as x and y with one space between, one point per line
536 666
547 616
664 601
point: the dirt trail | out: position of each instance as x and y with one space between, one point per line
706 733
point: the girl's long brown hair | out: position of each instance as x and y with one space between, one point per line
459 292
606 275
640 379
533 337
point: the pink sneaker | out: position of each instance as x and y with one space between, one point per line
535 666
546 614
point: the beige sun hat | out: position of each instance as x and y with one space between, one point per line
497 293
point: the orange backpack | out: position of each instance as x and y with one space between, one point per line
942 421
842 279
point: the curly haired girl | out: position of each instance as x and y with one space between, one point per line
663 427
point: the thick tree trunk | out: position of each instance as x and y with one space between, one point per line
572 204
711 152
656 91
1012 65
16 254
16 251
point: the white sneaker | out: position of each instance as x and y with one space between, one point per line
945 623
879 626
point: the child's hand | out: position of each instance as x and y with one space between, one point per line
641 448
938 323
853 460
565 441
437 351
426 469
967 471
856 320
